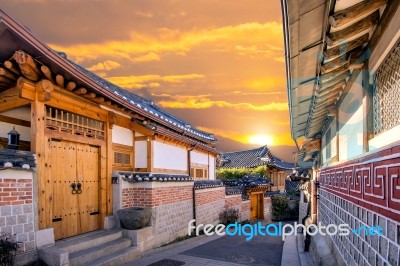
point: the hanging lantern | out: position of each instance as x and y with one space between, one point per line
13 139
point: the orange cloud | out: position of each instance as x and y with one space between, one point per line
203 103
266 39
105 66
150 81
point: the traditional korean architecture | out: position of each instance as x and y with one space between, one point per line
92 148
343 76
277 169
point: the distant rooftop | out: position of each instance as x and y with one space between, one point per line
252 158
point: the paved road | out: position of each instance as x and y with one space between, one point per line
218 251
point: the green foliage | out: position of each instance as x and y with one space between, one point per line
229 216
293 192
280 205
8 248
237 173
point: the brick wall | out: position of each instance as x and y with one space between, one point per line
363 249
209 204
233 201
16 208
156 196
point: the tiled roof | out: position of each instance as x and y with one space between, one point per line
144 104
200 184
133 177
16 159
252 158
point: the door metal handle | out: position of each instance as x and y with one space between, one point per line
79 188
73 185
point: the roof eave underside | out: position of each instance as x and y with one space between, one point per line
304 27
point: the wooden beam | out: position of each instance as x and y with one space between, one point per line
344 35
15 121
387 16
7 73
345 47
6 80
44 88
89 95
60 81
80 91
330 76
70 86
10 66
12 104
27 65
47 73
335 80
98 100
354 12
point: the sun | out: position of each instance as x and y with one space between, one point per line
261 140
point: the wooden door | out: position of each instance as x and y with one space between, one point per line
74 211
256 206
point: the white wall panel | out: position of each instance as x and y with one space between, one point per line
122 135
169 157
141 154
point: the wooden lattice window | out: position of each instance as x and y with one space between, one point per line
71 123
199 171
386 96
123 157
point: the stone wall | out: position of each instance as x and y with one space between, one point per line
359 249
16 207
244 210
210 203
267 209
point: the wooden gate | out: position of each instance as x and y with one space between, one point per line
257 205
74 181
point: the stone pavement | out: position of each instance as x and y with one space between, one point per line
224 251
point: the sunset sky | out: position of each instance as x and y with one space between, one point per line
218 64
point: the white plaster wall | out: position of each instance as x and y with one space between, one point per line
211 171
351 122
385 138
169 157
197 157
23 113
140 154
122 135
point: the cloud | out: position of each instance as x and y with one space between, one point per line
188 102
105 66
150 81
266 40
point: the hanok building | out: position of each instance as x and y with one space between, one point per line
276 169
343 76
87 133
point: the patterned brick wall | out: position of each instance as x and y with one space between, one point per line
372 182
16 208
209 204
364 192
153 197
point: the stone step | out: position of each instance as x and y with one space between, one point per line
85 241
117 258
90 254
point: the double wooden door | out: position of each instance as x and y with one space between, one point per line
74 182
257 205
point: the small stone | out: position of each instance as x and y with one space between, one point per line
139 179
26 166
146 179
8 165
